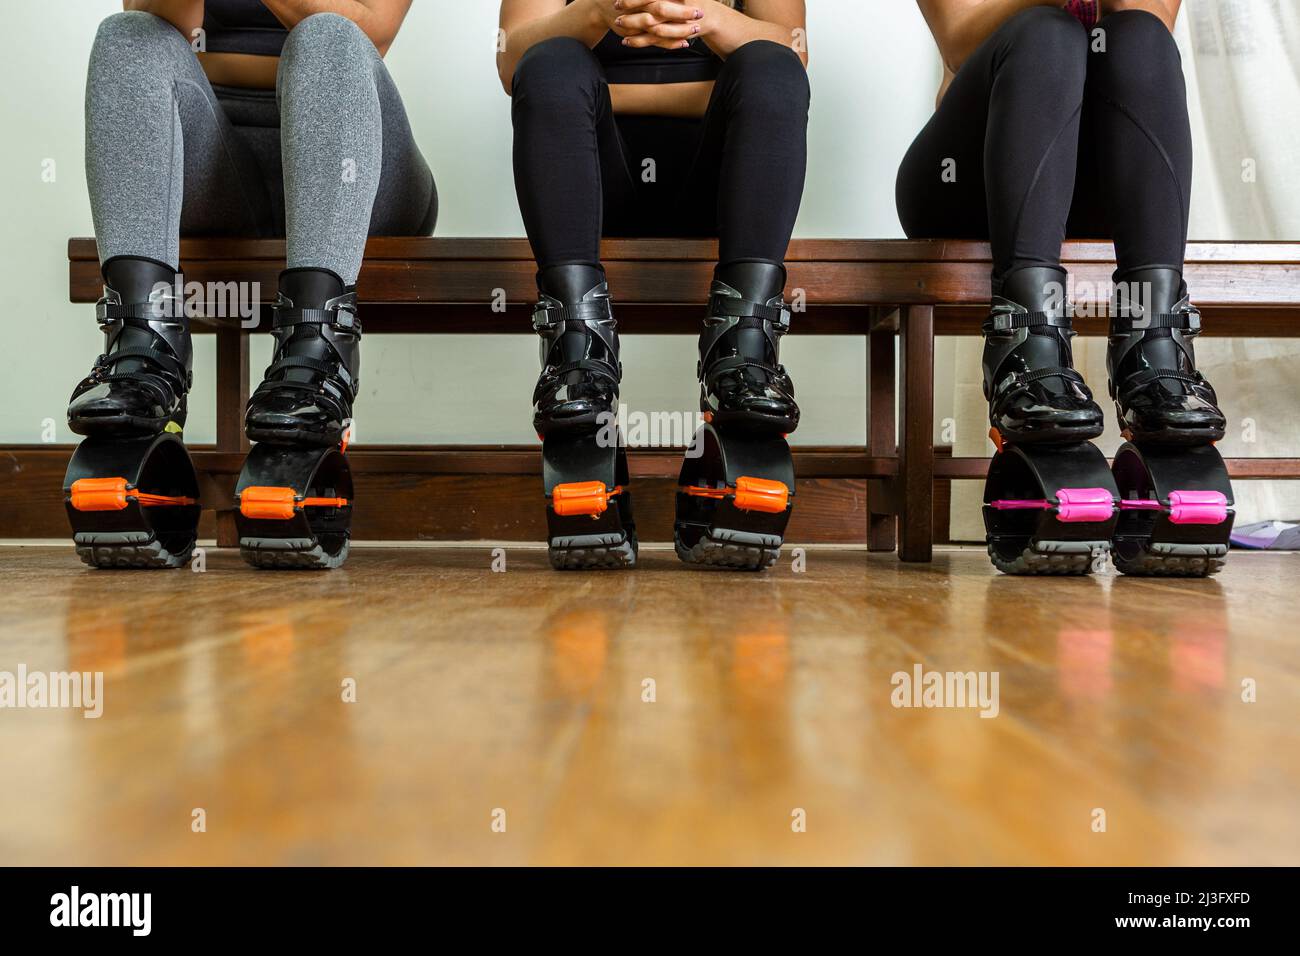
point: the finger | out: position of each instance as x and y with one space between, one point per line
635 22
668 10
648 40
674 31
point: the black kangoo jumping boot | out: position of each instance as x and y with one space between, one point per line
137 387
1177 506
743 386
1049 499
308 390
577 390
1034 393
1160 397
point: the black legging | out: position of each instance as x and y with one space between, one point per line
1011 121
737 174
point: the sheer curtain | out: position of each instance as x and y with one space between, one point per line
1241 59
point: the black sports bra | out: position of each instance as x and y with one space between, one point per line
242 26
653 65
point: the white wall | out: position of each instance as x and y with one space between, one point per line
873 75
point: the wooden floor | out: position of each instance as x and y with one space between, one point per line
479 692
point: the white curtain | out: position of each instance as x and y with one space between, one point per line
1241 59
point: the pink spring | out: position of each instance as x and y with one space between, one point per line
1074 504
1186 507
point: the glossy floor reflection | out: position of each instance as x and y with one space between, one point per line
660 716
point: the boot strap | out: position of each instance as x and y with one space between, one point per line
337 318
1018 380
733 362
1002 322
329 369
548 316
161 309
732 307
1146 376
1188 321
164 360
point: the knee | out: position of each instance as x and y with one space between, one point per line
1136 49
766 76
1050 31
1049 45
134 35
325 42
555 74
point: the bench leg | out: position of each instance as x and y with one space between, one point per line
232 396
882 437
916 478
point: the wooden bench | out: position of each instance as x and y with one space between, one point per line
896 294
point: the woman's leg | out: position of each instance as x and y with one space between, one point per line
1141 156
351 168
569 172
997 160
161 157
747 181
1002 147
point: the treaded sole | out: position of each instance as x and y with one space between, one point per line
150 555
713 553
594 557
265 555
1044 563
1152 564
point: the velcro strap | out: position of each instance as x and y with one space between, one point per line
165 360
729 306
1010 321
340 318
106 312
547 315
337 370
1189 321
299 361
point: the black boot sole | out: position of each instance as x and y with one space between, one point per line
293 437
577 425
751 424
1180 437
118 426
1055 436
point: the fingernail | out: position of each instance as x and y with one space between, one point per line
699 14
696 28
618 21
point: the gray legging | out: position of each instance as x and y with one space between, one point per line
325 160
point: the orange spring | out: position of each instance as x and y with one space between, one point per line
112 494
582 498
751 494
279 504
